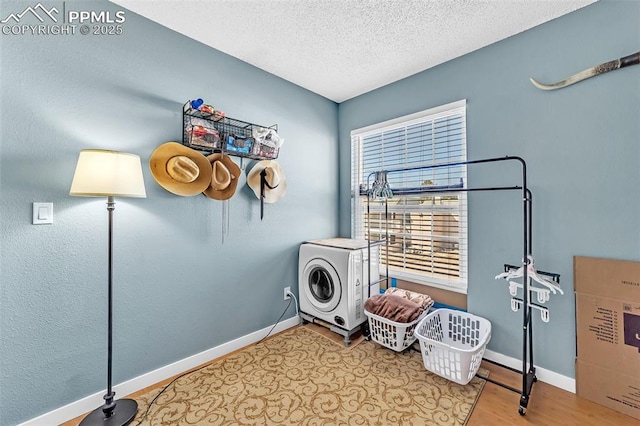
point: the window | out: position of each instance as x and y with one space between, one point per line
427 231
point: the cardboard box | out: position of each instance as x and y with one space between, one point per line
608 332
614 279
606 387
608 313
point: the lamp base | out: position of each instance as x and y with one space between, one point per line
124 412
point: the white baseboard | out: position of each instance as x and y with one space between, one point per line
91 402
544 375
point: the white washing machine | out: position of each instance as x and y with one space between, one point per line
333 281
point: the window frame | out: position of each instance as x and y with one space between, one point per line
358 208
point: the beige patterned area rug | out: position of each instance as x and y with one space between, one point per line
300 377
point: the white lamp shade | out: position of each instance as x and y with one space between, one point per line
108 173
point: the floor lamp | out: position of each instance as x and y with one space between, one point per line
102 173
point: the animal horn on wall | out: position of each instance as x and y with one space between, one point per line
633 59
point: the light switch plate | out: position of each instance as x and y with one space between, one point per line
42 213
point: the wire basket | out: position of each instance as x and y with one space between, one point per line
201 134
218 133
452 343
393 335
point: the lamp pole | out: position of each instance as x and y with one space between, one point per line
127 408
109 405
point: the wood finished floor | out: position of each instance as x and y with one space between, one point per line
548 405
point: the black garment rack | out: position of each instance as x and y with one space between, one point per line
528 371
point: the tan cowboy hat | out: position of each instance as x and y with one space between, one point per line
224 177
276 183
180 169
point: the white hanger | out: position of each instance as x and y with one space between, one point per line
544 312
511 273
531 273
517 303
542 293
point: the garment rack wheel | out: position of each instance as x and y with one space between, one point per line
524 401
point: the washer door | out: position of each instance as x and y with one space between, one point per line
322 285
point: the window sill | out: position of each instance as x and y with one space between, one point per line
455 287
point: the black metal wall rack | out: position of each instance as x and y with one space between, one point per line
211 132
528 369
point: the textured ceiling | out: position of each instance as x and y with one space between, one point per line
343 48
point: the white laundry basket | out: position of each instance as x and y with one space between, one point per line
393 335
452 343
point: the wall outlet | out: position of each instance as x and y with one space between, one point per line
287 290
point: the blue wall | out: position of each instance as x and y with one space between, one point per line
581 145
178 289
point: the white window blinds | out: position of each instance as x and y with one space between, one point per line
427 231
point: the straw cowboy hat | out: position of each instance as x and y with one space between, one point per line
224 177
180 169
275 182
